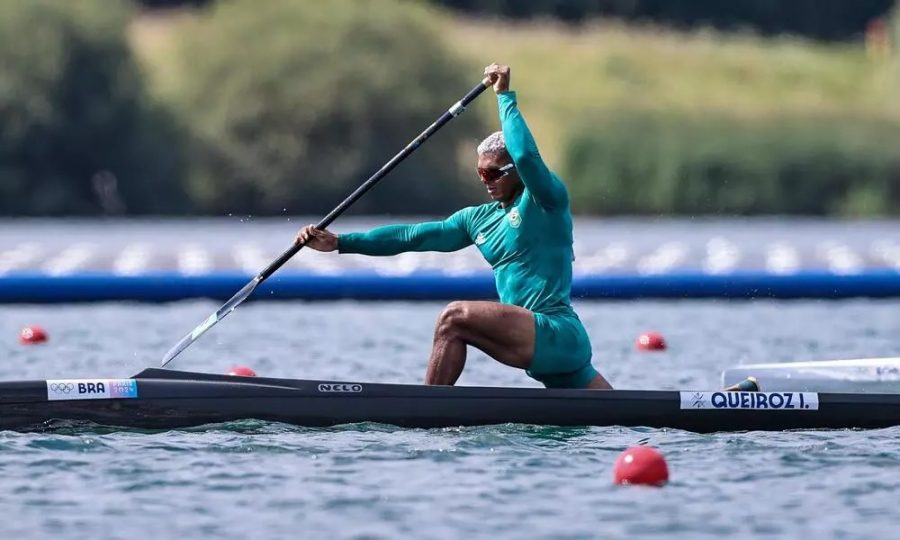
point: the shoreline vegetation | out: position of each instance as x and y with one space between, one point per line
637 119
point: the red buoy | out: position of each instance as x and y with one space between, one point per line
641 465
32 335
651 341
241 371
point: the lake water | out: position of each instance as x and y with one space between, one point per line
259 480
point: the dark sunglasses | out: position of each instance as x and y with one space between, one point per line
492 175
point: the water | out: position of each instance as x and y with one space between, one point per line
260 480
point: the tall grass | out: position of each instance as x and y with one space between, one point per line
578 86
563 73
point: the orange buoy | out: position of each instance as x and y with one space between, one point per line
241 371
651 341
641 465
32 335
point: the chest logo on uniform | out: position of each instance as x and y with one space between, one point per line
514 218
480 239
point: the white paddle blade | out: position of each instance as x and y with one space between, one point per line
211 321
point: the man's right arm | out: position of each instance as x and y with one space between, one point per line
450 234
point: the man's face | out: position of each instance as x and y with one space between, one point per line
502 189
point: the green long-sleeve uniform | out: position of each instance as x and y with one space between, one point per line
528 244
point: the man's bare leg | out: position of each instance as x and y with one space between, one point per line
599 383
502 331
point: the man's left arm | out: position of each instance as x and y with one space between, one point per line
547 190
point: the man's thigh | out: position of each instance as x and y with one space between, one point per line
502 331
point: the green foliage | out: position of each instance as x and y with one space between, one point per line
645 163
293 104
563 75
895 22
818 19
895 52
77 133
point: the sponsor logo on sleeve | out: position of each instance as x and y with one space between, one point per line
774 401
67 389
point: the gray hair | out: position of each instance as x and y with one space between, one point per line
492 144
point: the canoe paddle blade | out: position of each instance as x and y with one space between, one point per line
222 312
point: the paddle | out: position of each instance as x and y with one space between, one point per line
248 289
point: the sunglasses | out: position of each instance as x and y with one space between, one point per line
492 175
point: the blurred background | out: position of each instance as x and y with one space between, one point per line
168 107
699 114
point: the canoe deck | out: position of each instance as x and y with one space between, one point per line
167 399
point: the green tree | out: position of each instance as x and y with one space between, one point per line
293 104
78 135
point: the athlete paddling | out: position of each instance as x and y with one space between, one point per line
526 236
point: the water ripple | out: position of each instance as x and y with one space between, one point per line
267 480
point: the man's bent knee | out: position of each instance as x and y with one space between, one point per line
453 318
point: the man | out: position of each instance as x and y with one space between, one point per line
526 236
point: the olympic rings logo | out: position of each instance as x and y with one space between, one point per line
65 388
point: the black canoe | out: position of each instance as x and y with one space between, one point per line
163 399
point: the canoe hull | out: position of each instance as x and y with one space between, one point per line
166 399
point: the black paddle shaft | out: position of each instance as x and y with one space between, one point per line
453 112
248 289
